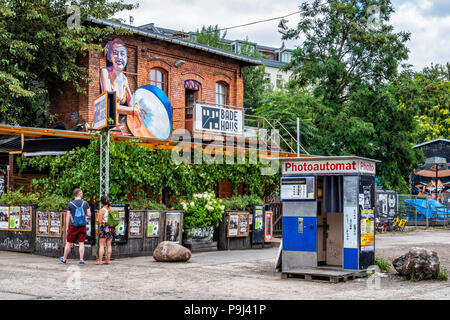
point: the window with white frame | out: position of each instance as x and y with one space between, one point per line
221 93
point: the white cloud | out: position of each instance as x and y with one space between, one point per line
427 20
430 40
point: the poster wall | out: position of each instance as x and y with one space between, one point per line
233 224
351 221
122 227
238 224
25 218
173 227
135 228
258 224
14 218
49 224
268 226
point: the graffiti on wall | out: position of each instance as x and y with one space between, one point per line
144 113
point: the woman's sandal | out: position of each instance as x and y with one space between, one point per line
98 262
106 262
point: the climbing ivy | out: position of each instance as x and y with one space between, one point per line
138 172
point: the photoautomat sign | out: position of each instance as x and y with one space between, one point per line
328 166
218 119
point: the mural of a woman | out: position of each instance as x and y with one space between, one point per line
112 78
147 112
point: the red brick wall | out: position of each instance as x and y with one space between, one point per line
143 55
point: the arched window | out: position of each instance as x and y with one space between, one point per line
158 78
221 93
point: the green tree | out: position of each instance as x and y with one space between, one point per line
431 94
211 36
38 52
254 82
348 74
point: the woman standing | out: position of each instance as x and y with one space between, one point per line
105 233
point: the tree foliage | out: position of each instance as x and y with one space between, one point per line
137 172
254 81
346 88
38 51
429 90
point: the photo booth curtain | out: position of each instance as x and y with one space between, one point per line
333 195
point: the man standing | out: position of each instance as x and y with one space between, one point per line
77 211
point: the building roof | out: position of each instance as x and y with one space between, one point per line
431 141
159 36
272 63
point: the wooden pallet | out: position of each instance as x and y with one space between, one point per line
319 274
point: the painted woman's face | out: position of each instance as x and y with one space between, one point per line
119 57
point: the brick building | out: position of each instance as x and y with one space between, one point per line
184 70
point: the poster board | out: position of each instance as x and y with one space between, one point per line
268 226
55 226
4 217
14 218
233 225
136 224
258 225
351 221
298 188
238 224
173 227
49 224
122 227
26 220
153 224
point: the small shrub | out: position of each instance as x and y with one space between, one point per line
443 274
242 202
53 203
147 205
384 265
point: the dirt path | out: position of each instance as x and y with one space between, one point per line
245 274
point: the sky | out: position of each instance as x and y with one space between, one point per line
427 20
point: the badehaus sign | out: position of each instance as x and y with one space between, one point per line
315 165
218 119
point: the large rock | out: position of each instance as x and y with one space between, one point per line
420 261
168 251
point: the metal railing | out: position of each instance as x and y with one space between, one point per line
287 141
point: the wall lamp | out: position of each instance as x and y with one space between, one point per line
179 63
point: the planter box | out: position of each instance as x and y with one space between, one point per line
199 239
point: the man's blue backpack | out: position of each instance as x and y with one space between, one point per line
80 216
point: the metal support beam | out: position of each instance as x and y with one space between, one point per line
104 163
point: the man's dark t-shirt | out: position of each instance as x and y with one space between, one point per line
72 208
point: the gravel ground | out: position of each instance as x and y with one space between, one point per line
246 274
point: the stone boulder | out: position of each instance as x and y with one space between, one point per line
168 251
419 261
